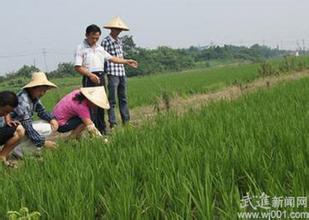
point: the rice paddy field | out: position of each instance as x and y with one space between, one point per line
197 166
147 89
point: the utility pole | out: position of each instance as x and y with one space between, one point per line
298 46
44 57
304 45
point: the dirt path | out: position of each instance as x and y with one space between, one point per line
182 105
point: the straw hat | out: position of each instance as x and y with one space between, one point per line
117 23
96 95
39 79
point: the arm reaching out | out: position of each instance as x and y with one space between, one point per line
91 128
131 63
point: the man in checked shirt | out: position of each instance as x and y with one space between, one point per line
117 80
89 62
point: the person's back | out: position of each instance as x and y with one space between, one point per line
68 107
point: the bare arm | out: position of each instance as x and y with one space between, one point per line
119 60
87 121
7 118
91 128
82 70
10 122
85 72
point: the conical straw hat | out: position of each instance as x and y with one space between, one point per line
39 79
96 95
118 23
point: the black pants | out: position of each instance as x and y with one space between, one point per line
6 133
97 114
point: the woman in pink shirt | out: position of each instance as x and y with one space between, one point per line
72 112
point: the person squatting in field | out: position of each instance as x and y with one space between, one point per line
73 111
12 132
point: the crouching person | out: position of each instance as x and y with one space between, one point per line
73 112
12 133
29 103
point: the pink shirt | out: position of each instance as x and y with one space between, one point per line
68 108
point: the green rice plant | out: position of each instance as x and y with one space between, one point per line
166 100
267 69
23 214
156 104
198 166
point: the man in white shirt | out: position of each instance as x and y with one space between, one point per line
89 62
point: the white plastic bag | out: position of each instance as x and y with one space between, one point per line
26 146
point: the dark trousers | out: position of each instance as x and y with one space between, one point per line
97 114
117 86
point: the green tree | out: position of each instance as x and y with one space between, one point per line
26 71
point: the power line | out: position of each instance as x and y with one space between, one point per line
18 55
44 51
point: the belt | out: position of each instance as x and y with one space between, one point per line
100 73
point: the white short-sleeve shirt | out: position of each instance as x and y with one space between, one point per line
92 58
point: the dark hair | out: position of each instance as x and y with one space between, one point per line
93 29
79 97
8 98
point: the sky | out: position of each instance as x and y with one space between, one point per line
32 28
